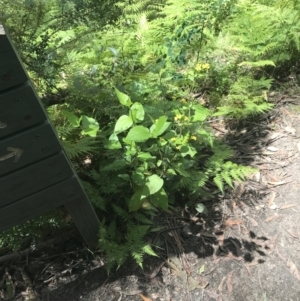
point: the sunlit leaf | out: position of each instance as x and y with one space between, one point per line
89 125
123 98
123 123
138 134
137 112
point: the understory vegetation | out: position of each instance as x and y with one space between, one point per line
131 87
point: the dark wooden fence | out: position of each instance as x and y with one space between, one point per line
35 173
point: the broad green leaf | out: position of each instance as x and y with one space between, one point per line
123 123
171 171
89 125
128 142
160 126
160 199
138 178
72 118
136 201
145 156
201 208
187 150
200 113
113 142
153 148
123 98
169 135
137 112
138 133
154 184
124 177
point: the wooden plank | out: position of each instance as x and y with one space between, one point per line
34 178
85 219
34 144
40 203
11 71
19 109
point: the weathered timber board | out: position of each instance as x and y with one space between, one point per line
11 71
19 109
81 213
26 181
40 203
36 144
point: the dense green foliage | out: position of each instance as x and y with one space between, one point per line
131 87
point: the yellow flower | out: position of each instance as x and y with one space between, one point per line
183 100
198 67
177 117
193 138
173 139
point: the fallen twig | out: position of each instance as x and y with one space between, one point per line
39 247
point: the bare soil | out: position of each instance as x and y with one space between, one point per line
246 248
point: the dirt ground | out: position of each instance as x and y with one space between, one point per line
247 248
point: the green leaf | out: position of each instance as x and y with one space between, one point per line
89 125
261 63
124 177
202 269
201 208
72 118
123 123
113 142
160 126
138 178
200 113
136 201
169 135
188 150
123 98
138 133
148 250
153 148
171 171
137 112
160 199
180 169
154 184
145 156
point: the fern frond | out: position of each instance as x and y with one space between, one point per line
123 214
83 146
142 218
117 165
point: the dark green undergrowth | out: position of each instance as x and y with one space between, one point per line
132 98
